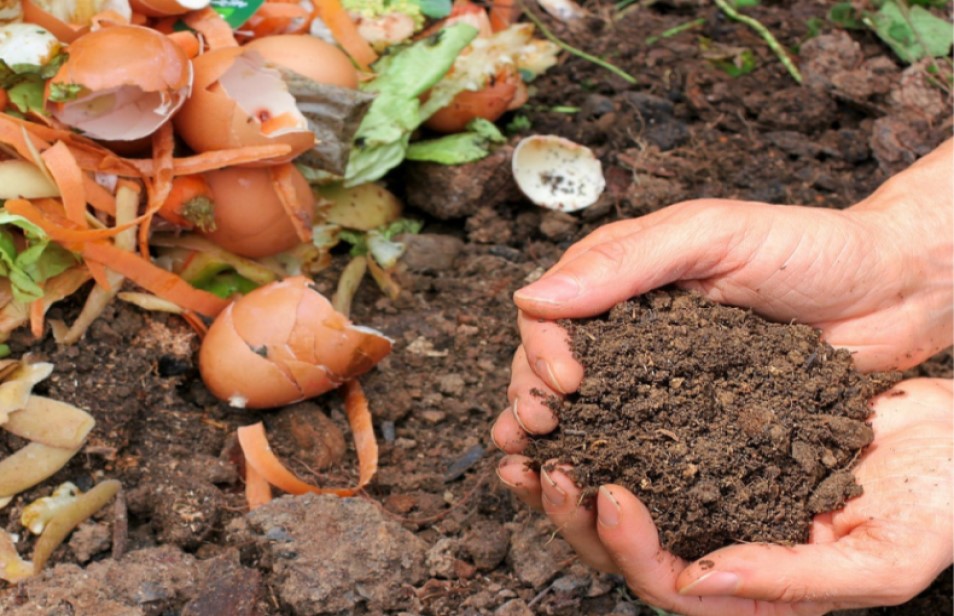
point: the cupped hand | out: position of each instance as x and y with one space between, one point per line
882 548
875 279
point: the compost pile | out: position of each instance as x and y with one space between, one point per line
729 427
703 108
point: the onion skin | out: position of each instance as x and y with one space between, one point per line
283 343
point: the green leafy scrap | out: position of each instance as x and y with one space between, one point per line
25 83
226 284
28 258
64 92
846 16
912 33
435 9
359 240
460 148
403 76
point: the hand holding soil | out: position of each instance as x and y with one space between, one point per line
874 279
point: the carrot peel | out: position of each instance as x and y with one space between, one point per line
260 458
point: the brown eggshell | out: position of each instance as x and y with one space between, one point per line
294 329
249 217
308 56
236 373
125 55
213 119
145 80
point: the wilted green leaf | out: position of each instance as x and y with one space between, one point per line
27 95
385 131
460 148
912 37
844 15
63 92
36 263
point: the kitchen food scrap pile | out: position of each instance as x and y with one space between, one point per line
382 181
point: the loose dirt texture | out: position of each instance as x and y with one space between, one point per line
434 528
728 427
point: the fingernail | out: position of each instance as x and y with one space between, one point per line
551 290
542 366
555 496
504 462
516 415
713 584
607 509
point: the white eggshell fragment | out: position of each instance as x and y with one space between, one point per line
557 173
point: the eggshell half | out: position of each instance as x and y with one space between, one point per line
132 80
285 332
238 101
557 173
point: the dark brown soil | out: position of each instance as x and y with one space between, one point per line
728 427
456 543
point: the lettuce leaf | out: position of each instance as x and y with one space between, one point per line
403 76
459 148
30 262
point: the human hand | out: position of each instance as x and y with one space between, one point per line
882 548
875 279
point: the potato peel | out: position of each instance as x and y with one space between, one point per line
69 517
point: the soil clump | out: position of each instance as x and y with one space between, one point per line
730 428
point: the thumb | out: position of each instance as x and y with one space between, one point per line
859 570
692 244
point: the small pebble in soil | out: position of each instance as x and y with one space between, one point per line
728 427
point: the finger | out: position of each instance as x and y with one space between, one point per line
860 570
547 349
575 521
530 398
632 541
507 434
693 245
622 228
515 473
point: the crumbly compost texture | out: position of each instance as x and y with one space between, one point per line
730 428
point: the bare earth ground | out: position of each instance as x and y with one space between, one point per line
435 534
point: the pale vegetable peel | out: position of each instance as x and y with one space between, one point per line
69 517
16 388
37 514
51 423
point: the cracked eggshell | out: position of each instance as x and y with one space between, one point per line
557 173
239 101
131 79
283 343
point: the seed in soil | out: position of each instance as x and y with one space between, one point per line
730 428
